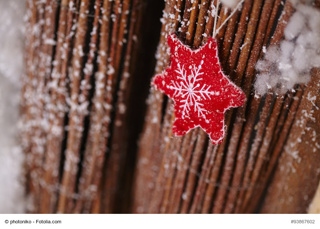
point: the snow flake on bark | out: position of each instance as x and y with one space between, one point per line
199 89
285 65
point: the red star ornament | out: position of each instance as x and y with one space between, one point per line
199 89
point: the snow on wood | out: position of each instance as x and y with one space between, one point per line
290 63
75 88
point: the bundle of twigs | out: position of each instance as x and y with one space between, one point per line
82 88
80 56
191 175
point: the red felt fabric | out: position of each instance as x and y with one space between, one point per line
200 90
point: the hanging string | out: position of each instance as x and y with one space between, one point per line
216 17
215 32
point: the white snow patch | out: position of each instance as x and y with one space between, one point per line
290 63
12 199
230 3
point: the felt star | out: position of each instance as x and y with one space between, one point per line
200 90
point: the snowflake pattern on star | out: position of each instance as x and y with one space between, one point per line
200 90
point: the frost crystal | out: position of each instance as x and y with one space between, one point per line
189 88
